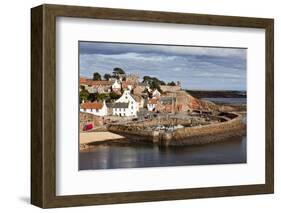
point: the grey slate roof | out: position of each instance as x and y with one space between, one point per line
120 105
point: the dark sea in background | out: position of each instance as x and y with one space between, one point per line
114 156
227 100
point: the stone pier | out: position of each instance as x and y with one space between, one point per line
202 134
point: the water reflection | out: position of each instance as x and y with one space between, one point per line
145 155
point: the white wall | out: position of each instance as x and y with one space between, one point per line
15 96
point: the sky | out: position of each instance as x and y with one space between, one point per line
198 68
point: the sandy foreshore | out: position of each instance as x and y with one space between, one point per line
92 137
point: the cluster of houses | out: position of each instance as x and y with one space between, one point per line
132 98
126 105
101 86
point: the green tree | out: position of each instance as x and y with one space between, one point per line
83 95
102 96
172 83
107 76
96 76
162 82
92 97
149 80
114 96
146 79
118 71
154 83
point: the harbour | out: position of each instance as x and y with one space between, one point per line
125 152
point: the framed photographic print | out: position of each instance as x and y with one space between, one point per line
137 106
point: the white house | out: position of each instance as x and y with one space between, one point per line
116 86
121 109
95 108
156 94
126 105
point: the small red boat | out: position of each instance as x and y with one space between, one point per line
88 127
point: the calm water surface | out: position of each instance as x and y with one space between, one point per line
115 156
146 155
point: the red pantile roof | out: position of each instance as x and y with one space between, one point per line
152 101
83 80
125 84
98 83
90 82
91 105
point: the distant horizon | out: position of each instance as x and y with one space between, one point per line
197 68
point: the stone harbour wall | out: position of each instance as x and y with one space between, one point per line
136 133
209 133
205 134
87 118
162 121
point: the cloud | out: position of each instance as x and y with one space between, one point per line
196 68
122 48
